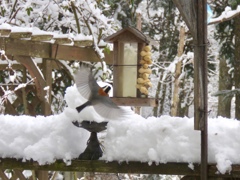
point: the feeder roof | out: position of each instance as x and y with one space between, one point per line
125 35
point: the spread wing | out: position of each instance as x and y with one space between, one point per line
86 84
111 111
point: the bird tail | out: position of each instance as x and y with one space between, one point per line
80 108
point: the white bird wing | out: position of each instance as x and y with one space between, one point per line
85 82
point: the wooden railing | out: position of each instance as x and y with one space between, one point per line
117 167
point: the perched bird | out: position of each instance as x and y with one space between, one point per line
96 96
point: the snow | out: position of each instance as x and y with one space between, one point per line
21 29
40 138
172 139
23 85
5 26
155 139
36 31
226 14
82 37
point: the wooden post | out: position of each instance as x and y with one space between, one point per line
140 46
47 72
115 69
200 67
195 15
42 175
46 103
202 44
24 94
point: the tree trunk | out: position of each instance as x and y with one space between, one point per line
225 83
162 100
178 69
237 64
155 109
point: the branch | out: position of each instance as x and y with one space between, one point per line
7 93
13 8
99 54
226 16
227 93
14 15
76 17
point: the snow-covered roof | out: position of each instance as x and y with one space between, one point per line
134 32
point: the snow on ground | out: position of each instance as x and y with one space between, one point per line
160 140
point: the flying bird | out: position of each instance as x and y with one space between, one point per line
96 96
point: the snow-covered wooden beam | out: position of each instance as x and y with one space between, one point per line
116 167
21 47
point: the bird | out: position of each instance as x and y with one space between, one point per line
96 96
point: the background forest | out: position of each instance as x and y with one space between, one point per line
173 64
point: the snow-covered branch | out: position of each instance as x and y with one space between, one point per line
227 93
7 93
226 15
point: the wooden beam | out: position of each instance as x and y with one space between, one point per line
18 66
35 73
18 47
116 167
128 101
3 175
14 66
42 175
17 174
9 108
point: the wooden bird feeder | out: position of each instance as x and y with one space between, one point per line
131 61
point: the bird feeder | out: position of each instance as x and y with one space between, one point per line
132 58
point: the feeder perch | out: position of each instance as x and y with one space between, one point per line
93 150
